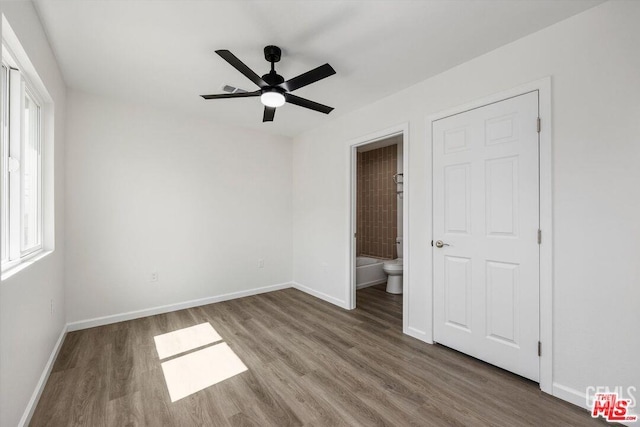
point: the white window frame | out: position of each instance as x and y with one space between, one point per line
4 158
18 85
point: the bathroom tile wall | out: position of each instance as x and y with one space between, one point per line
377 203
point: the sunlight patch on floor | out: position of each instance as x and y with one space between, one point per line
185 339
196 371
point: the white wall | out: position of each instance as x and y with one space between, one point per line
28 329
594 63
150 190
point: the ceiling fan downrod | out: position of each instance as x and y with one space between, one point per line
272 54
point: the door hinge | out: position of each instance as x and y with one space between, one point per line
539 236
355 235
539 124
539 348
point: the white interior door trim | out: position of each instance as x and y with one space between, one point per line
400 129
543 86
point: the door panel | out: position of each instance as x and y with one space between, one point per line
501 199
486 208
502 298
457 183
458 291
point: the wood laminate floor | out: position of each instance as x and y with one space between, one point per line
309 363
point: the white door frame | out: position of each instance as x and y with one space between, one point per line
543 86
401 129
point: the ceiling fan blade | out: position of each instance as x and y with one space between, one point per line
240 66
232 95
301 102
269 112
309 77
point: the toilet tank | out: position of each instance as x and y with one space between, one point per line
399 246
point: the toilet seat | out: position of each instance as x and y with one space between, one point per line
394 266
393 269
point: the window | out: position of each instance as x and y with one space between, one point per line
21 140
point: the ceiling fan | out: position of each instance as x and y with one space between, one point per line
274 90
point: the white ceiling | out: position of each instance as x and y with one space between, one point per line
161 53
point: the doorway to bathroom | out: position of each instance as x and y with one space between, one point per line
378 249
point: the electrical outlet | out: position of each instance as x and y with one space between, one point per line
153 277
260 263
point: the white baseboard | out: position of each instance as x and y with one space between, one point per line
328 298
35 397
372 283
106 320
577 398
570 395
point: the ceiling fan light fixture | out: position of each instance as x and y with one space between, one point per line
272 98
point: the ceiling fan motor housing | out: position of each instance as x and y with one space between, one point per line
273 79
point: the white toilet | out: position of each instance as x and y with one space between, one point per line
393 268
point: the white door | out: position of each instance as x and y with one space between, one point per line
486 220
